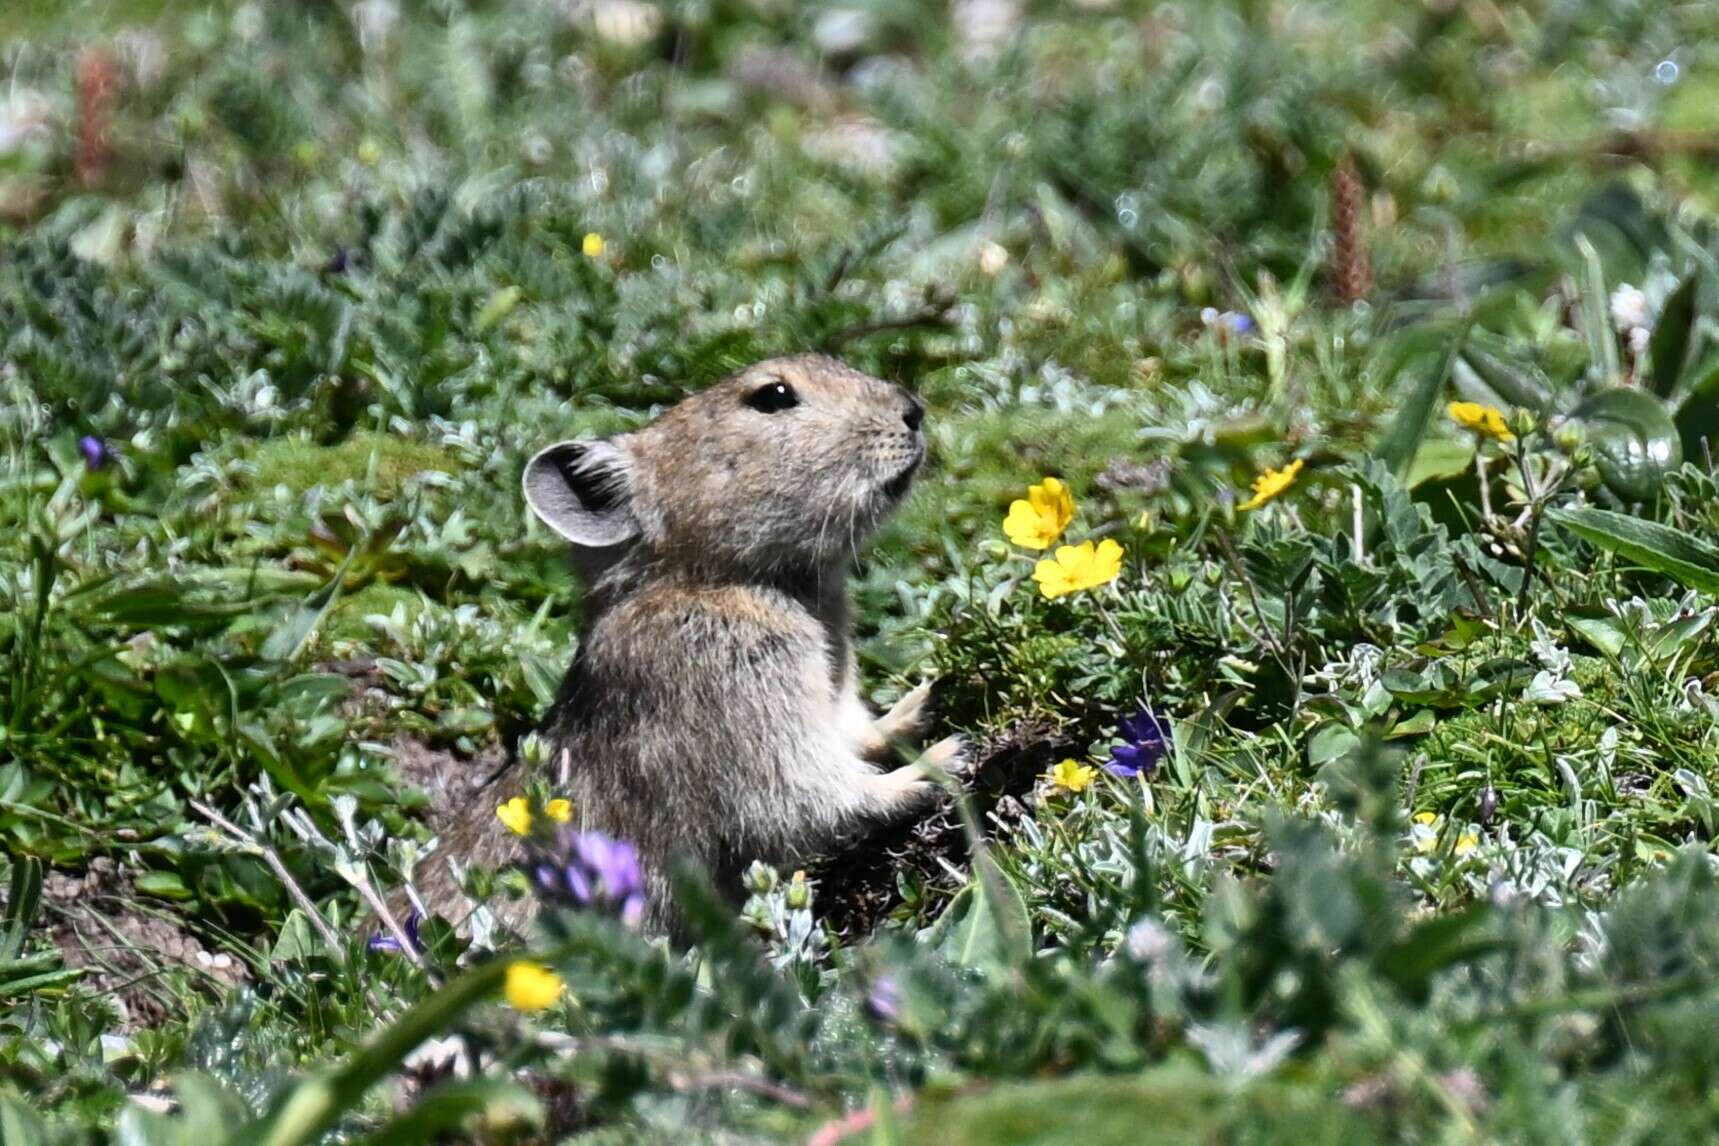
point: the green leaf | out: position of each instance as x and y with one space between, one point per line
306 1111
1652 546
986 925
297 940
1668 349
1635 442
19 1125
1398 447
1698 411
163 885
1596 317
22 902
1433 945
503 1104
497 307
1439 460
1493 381
291 635
1606 634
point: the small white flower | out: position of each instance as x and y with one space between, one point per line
993 257
1148 941
1629 308
627 23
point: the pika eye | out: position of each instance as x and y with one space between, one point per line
773 398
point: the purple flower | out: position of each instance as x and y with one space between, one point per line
385 941
95 451
591 870
1143 745
883 1001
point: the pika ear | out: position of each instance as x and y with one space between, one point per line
582 490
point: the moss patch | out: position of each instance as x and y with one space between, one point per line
378 463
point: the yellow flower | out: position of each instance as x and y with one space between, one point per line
1079 567
1037 520
559 810
1427 818
516 815
592 246
1073 777
1271 483
1485 420
532 986
1466 843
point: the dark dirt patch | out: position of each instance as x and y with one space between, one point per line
451 782
127 942
462 794
858 888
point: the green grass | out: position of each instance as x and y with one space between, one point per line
1430 852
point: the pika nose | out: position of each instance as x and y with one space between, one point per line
915 412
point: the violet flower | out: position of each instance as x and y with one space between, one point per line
592 871
884 1000
1143 745
95 451
385 941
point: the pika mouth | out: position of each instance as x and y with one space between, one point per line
896 487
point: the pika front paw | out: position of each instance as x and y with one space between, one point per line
907 717
952 755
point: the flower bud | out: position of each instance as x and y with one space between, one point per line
760 878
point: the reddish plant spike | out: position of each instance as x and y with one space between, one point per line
1351 274
96 83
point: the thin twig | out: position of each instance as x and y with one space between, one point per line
358 875
934 313
273 859
1265 636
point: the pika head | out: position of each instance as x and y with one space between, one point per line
781 468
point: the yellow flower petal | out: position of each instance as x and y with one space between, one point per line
1427 818
560 811
1037 520
516 816
1077 567
1271 483
1482 419
1074 777
592 246
531 986
1466 843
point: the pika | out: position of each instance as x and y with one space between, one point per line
712 708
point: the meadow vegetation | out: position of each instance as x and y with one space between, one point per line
1346 676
